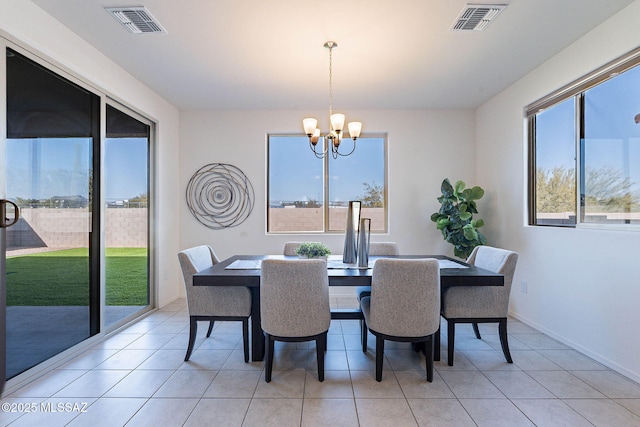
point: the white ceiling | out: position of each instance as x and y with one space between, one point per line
269 54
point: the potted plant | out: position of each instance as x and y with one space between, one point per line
312 250
455 217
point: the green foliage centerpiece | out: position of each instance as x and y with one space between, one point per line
455 217
312 250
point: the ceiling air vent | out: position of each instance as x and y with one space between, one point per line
477 17
137 20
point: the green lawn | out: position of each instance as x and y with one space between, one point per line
61 277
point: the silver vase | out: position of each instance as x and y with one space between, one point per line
364 236
350 253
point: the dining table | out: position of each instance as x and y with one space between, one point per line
244 270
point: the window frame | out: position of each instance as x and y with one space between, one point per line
326 184
575 90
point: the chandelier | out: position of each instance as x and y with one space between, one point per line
334 137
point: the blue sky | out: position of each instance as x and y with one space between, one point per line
612 138
126 168
64 162
296 174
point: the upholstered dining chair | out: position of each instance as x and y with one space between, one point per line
404 305
290 248
294 306
211 303
377 249
481 304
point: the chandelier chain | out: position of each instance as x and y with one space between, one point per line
330 80
333 138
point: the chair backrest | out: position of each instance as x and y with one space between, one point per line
193 260
294 297
290 248
384 248
196 259
405 297
497 260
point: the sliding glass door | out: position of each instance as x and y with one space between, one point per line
51 145
78 259
126 189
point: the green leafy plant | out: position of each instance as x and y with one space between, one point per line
455 217
312 249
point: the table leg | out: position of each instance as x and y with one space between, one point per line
436 346
257 336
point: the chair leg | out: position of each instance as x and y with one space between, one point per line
502 330
379 357
451 335
268 363
476 330
436 346
429 355
320 349
210 328
193 328
245 338
363 336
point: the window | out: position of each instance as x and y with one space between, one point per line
584 145
306 194
555 165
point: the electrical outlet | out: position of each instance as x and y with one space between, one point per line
524 287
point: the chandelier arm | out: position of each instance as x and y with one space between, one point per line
337 153
321 155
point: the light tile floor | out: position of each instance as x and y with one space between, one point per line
138 378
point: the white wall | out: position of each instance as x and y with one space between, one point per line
424 148
32 29
583 286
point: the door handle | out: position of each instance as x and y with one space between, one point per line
4 221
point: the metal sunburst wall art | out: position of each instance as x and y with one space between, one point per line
220 196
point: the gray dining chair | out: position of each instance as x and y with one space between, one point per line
290 248
404 306
294 306
481 304
377 249
211 303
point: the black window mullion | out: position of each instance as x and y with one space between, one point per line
94 235
532 176
580 178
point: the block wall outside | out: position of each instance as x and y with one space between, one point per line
68 228
127 227
310 219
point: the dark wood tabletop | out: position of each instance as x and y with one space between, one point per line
220 275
